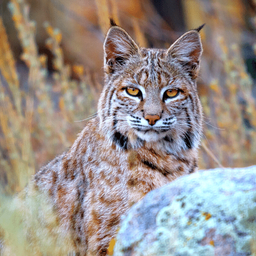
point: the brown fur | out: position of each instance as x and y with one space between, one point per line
119 157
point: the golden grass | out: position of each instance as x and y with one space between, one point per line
231 108
32 124
34 128
30 227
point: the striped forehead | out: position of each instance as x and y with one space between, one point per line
153 73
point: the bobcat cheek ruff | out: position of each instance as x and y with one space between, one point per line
146 134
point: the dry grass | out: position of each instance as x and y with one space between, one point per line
37 122
30 226
231 109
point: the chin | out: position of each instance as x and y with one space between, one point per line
151 136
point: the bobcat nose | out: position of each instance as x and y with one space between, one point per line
152 119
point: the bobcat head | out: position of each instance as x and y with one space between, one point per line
150 95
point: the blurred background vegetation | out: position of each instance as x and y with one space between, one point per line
51 74
51 77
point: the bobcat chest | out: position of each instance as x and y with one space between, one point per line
140 178
126 179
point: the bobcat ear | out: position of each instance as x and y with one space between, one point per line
187 50
118 48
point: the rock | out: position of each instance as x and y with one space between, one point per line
207 213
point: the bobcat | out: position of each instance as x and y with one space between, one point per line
146 134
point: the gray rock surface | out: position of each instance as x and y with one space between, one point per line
208 213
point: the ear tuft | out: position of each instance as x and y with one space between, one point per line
187 51
118 49
199 28
112 22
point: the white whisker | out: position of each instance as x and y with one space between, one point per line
88 118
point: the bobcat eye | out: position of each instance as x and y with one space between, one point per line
171 94
133 91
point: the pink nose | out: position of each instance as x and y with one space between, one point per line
152 119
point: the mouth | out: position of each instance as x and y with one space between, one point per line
158 131
151 129
151 134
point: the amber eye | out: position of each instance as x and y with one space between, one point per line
171 93
133 91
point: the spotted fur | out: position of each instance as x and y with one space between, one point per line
120 156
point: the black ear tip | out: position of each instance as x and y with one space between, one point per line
199 28
112 22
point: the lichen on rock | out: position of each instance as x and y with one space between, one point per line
208 213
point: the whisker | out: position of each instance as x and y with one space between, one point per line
88 118
91 116
213 126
